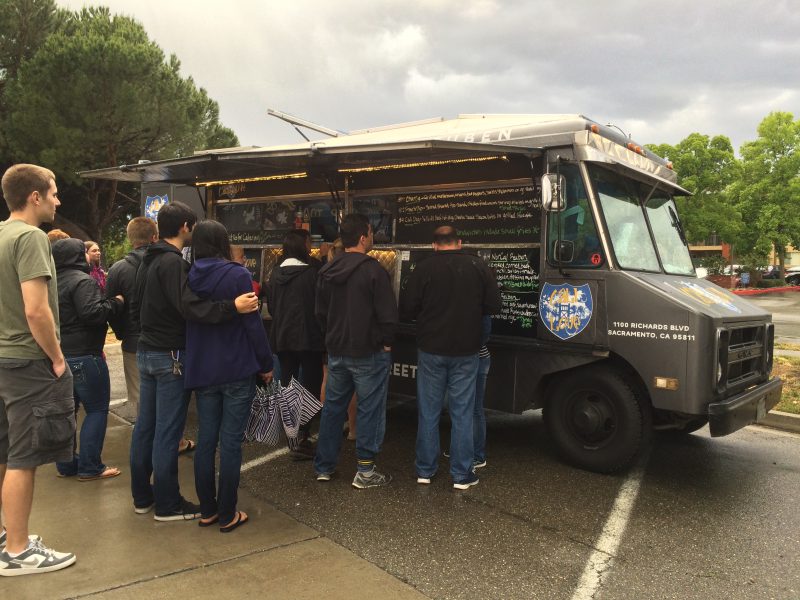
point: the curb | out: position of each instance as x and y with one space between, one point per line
759 291
781 420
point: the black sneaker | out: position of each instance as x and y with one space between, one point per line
306 450
467 482
36 558
187 512
373 478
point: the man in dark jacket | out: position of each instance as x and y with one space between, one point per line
357 311
448 293
164 302
84 315
122 280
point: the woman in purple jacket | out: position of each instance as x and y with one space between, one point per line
222 363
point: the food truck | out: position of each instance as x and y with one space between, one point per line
605 325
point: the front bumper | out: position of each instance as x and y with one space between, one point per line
744 409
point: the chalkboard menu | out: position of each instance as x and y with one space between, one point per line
517 276
516 271
496 215
252 262
268 222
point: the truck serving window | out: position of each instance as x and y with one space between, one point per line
576 226
668 232
621 199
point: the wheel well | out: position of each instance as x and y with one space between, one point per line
613 362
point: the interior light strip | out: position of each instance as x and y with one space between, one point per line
253 179
422 164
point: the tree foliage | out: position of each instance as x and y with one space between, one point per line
98 93
768 191
706 167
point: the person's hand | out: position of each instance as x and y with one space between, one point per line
120 298
246 303
387 348
266 377
59 366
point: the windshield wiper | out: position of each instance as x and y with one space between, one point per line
677 225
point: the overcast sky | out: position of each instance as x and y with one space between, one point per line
658 70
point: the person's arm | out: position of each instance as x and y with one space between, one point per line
91 307
254 329
41 321
385 308
322 304
492 301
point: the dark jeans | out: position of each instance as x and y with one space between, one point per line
159 427
222 411
91 388
369 378
479 415
454 376
306 368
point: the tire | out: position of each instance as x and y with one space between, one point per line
596 419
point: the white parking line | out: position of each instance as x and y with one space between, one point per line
263 459
605 549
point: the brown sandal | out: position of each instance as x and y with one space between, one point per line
107 474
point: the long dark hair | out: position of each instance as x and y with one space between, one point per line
294 245
210 240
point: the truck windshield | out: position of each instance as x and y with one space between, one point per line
668 232
627 226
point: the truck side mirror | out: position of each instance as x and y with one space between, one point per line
553 192
564 251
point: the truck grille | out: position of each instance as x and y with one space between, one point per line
744 356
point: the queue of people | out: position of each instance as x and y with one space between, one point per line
195 328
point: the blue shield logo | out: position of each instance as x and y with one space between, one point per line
565 309
153 204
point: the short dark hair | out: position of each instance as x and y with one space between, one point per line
210 240
20 181
352 228
171 218
445 235
140 231
294 245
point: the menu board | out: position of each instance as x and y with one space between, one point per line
268 222
516 271
488 216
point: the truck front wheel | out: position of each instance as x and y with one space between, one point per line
596 419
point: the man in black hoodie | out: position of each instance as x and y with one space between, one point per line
164 302
356 309
448 293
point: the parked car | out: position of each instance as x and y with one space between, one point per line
792 275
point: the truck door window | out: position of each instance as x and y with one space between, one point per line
668 233
627 227
575 225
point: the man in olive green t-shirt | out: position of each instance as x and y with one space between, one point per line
37 410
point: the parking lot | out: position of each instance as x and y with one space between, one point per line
698 518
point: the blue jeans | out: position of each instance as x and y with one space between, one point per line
222 411
479 416
159 427
91 388
369 378
455 376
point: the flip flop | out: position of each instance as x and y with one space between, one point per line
190 446
241 519
209 521
107 474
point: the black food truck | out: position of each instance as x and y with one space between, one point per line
604 325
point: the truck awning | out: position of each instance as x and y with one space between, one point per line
224 165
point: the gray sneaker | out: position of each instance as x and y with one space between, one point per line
35 559
371 479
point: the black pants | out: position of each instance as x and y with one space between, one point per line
305 367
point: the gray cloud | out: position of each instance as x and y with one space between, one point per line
658 70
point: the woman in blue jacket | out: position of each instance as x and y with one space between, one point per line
222 363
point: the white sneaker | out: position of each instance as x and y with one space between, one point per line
424 480
36 558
